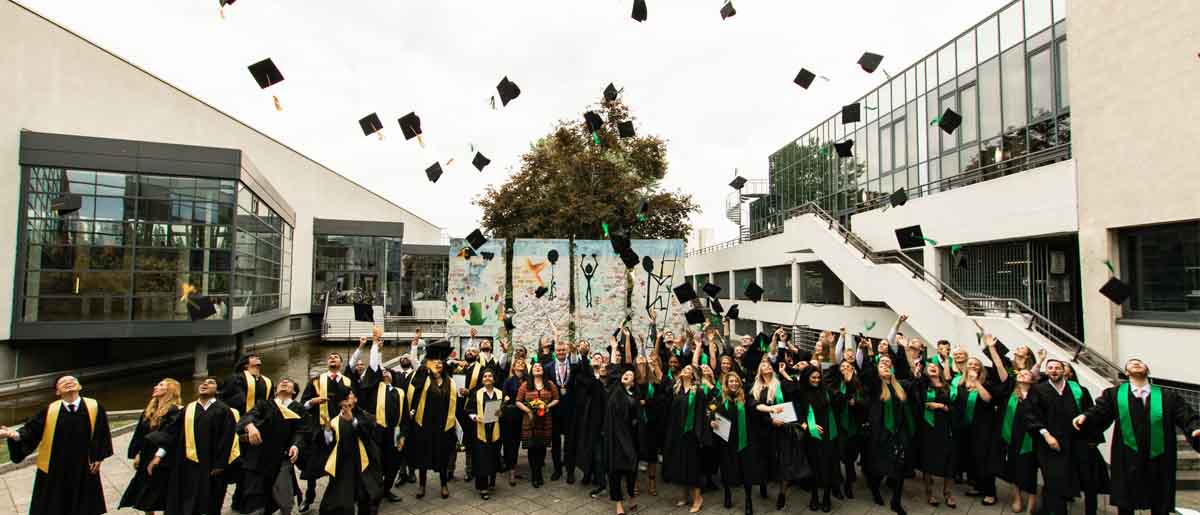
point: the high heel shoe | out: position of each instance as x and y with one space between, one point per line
728 499
445 493
780 501
813 505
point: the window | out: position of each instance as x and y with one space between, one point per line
741 278
745 326
295 323
819 285
777 283
1162 265
372 269
423 279
721 279
262 270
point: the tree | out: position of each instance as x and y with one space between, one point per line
568 186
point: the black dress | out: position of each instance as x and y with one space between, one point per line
1017 463
147 492
823 450
655 400
485 451
978 447
683 462
786 460
621 425
432 440
889 442
936 434
746 466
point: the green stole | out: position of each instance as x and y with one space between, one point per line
812 422
741 422
844 418
1006 428
972 396
689 422
889 415
1077 394
1157 438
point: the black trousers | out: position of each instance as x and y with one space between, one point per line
443 477
558 435
1055 505
897 487
217 486
614 484
511 449
537 459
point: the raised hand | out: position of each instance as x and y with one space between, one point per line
1078 422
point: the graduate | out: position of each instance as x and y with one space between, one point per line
198 448
1068 458
621 423
688 431
786 461
1143 453
822 443
851 417
247 385
587 390
71 439
386 404
936 436
972 394
146 493
1019 464
742 461
511 418
536 399
885 455
654 399
321 392
486 442
352 463
276 432
472 369
434 402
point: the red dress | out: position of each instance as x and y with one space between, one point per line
534 429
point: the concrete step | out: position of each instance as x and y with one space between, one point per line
1187 480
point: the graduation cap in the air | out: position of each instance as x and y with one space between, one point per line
899 198
508 91
869 61
845 148
619 242
371 125
439 350
643 209
909 237
540 291
625 129
754 292
594 121
630 258
476 239
949 121
711 289
738 182
728 11
610 92
639 10
410 125
715 304
961 260
266 74
200 307
364 312
684 293
694 316
434 172
480 161
851 113
222 4
804 79
66 203
733 312
1116 290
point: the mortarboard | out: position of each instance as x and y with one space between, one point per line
685 293
594 122
480 161
949 121
508 91
1116 290
711 289
851 113
899 198
410 125
364 312
728 11
804 79
619 242
434 172
266 74
639 10
694 316
66 203
909 237
845 148
610 92
715 304
738 182
733 312
754 291
625 129
200 307
476 239
540 291
643 209
869 62
630 258
439 350
371 124
961 260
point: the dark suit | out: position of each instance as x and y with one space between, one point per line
561 415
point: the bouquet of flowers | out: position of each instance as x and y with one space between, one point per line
538 407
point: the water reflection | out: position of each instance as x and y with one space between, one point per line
297 361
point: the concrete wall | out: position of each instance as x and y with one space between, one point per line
1133 87
57 82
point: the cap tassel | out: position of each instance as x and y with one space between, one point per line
278 106
187 289
595 137
450 162
604 226
379 134
936 120
493 102
929 241
1109 264
421 141
221 11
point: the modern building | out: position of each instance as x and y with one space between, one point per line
1074 156
174 191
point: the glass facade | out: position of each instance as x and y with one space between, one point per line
423 278
262 270
819 285
136 240
777 283
359 268
1162 265
1005 76
720 279
741 279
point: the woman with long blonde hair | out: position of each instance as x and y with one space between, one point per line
742 461
145 492
687 432
973 395
787 461
885 455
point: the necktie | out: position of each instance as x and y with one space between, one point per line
1141 394
71 408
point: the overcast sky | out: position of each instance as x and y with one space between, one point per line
719 92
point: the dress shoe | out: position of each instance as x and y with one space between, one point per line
391 497
556 475
570 477
306 506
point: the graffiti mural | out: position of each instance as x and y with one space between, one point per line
654 279
599 291
540 266
475 288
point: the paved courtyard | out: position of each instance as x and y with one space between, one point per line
555 498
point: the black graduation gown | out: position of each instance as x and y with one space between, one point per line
786 460
683 461
747 467
978 449
1139 481
621 421
352 485
824 453
511 419
590 401
261 463
485 454
937 444
190 488
312 464
1078 464
886 453
468 437
147 492
652 427
430 446
67 487
233 391
1019 469
395 423
852 416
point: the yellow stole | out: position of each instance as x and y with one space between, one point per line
480 427
323 390
331 463
381 405
46 446
475 369
420 418
250 384
288 414
189 434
